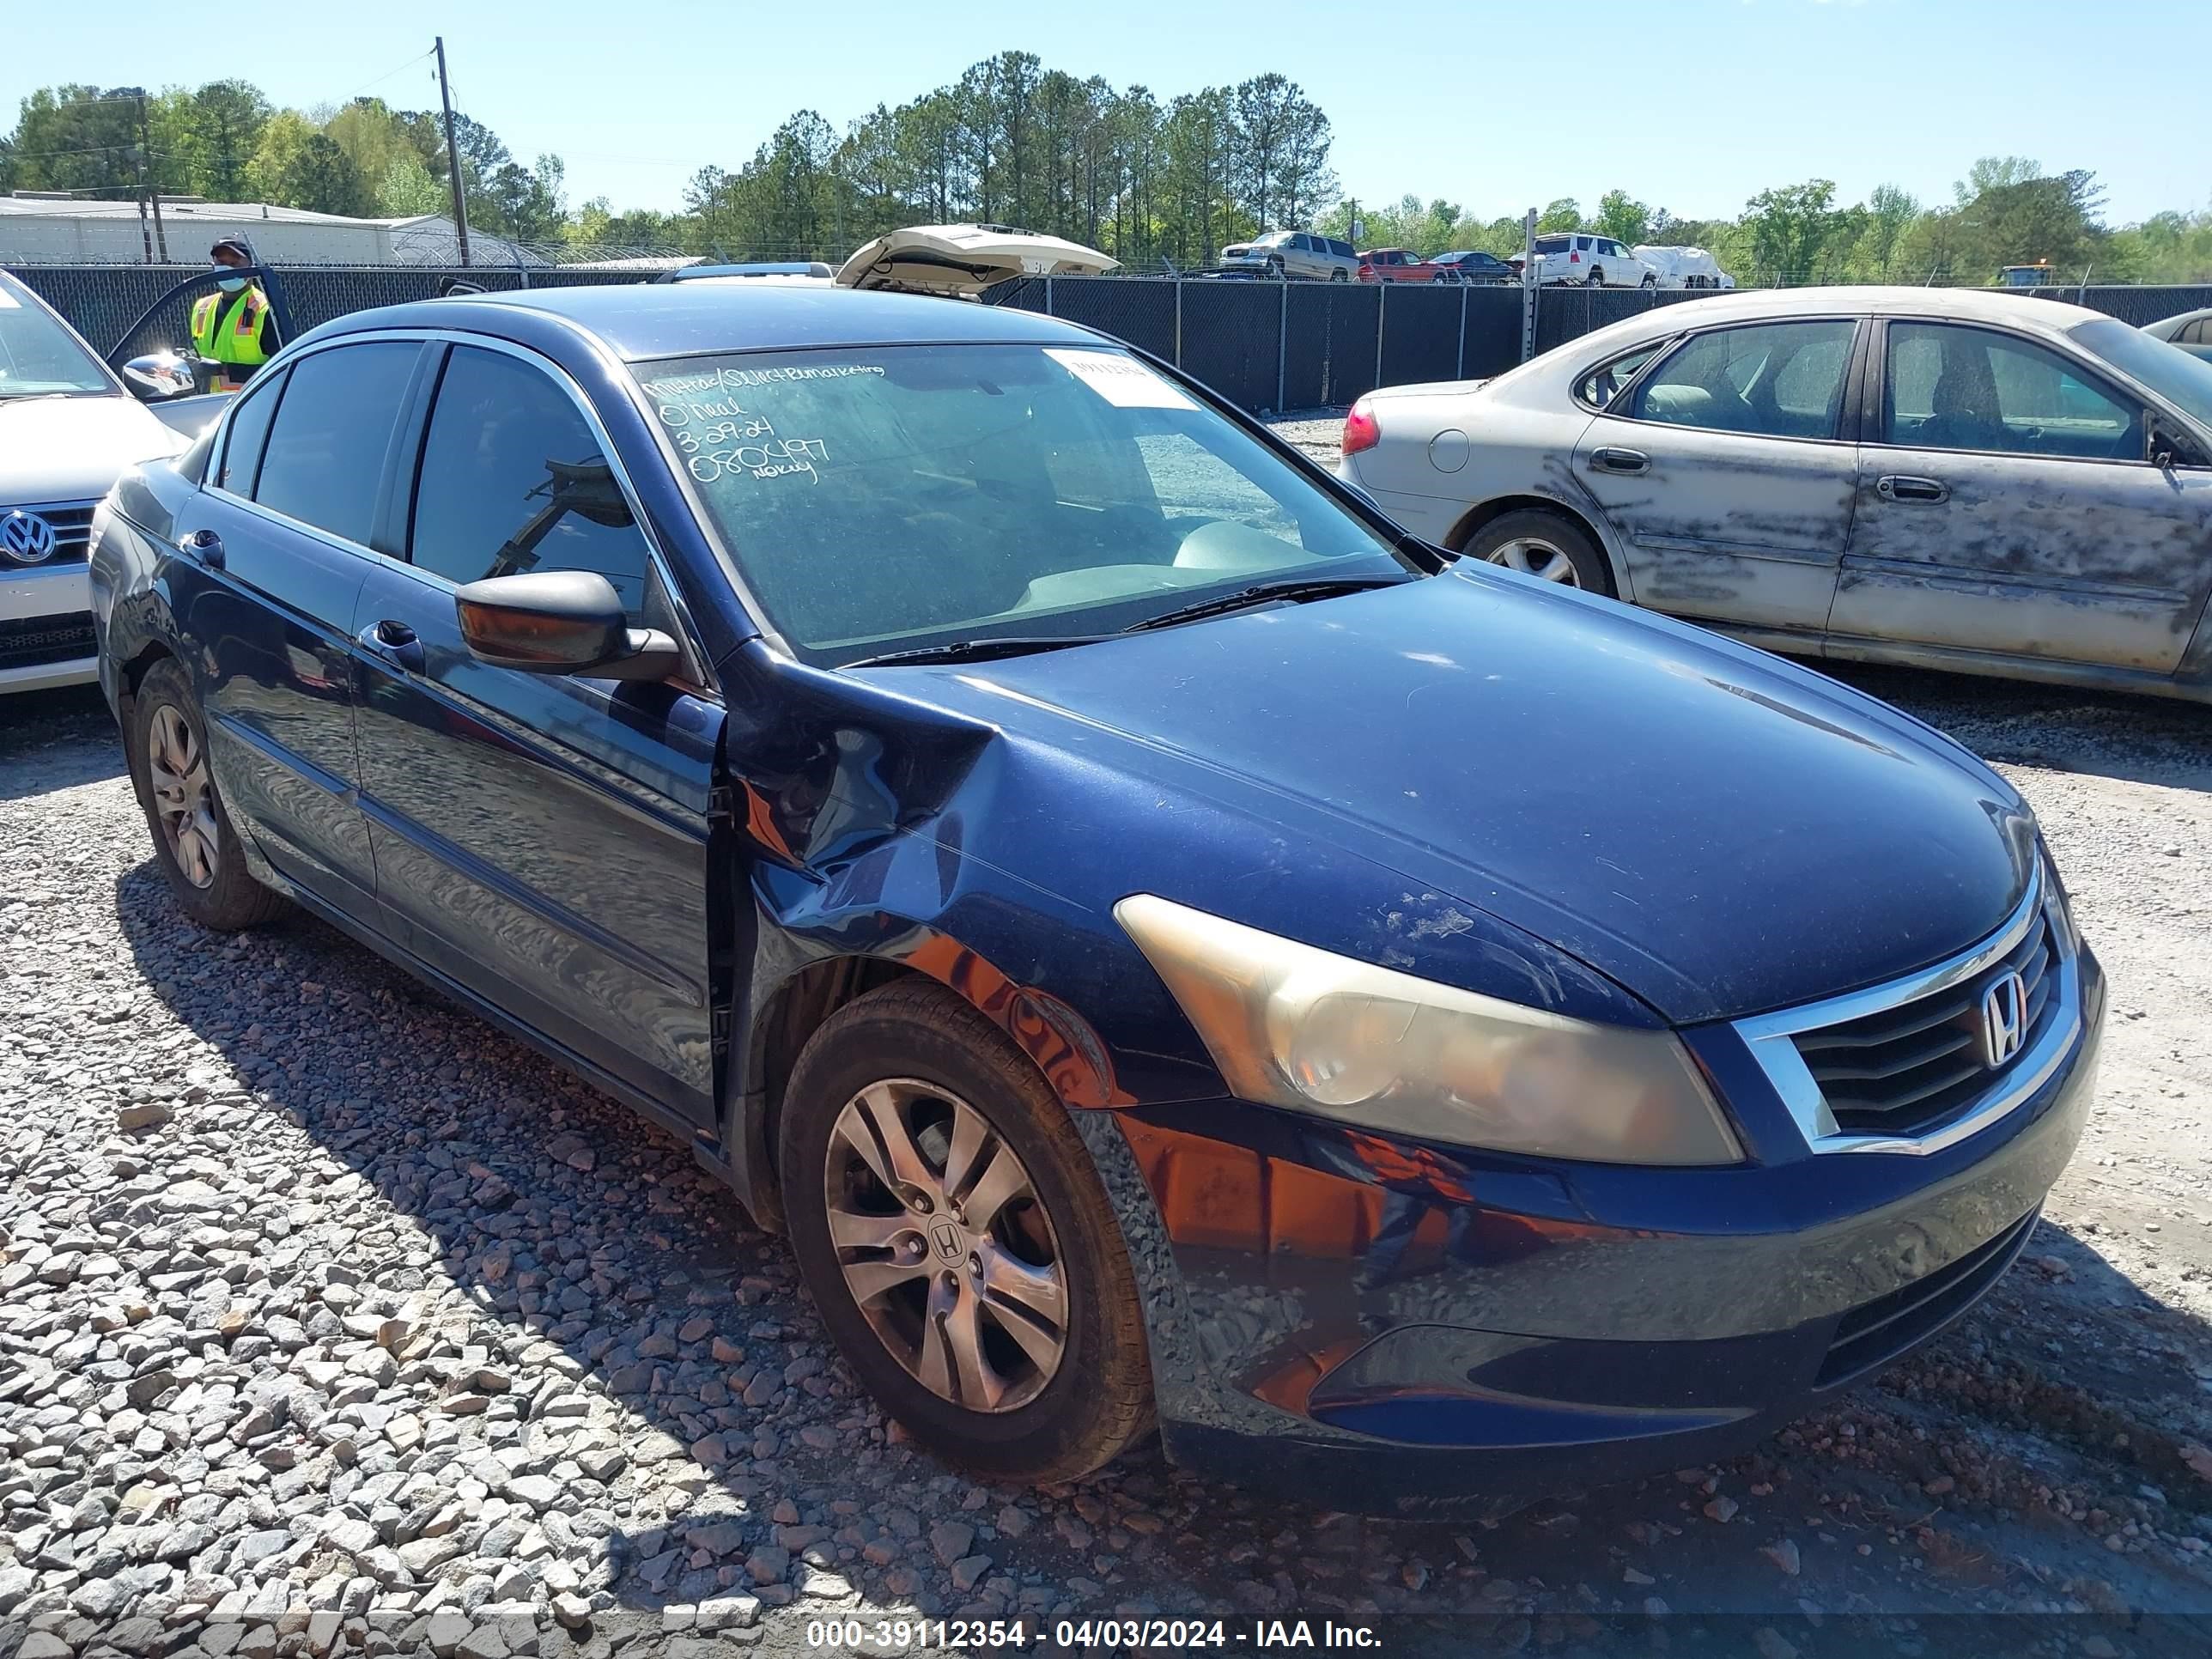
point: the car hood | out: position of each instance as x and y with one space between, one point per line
1714 829
71 449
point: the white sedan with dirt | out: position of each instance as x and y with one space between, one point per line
1954 478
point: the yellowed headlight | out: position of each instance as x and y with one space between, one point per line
1293 1026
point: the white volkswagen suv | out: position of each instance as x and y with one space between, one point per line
68 427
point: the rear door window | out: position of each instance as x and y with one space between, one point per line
1772 379
1603 384
324 462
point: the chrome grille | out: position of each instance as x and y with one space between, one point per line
1907 1069
72 522
1902 1067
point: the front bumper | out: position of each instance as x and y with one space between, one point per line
46 623
1378 1326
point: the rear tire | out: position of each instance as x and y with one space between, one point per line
1010 1344
1650 281
1339 275
193 841
1595 279
1549 546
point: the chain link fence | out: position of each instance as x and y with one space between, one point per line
102 301
1264 345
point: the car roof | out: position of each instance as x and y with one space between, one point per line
1963 304
2174 324
639 320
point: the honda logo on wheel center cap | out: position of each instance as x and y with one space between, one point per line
25 537
947 1239
2004 1019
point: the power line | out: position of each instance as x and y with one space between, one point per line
387 76
87 149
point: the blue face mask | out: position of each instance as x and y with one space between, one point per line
230 284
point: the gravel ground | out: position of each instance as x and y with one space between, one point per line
332 1321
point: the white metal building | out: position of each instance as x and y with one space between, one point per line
40 229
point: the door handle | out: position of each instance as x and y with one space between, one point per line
1627 462
1898 488
202 544
396 642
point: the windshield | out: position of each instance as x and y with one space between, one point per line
905 496
38 357
2183 380
1273 238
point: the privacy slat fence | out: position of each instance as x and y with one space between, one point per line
1264 345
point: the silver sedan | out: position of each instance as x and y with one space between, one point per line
1959 479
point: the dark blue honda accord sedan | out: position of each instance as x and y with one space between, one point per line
1165 946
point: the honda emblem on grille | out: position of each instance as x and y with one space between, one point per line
25 537
2004 1019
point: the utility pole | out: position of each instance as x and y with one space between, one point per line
1528 285
453 155
145 148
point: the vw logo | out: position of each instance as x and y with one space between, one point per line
25 537
2004 1019
947 1239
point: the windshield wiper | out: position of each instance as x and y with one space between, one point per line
1292 593
978 650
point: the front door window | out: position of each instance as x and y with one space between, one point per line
1975 389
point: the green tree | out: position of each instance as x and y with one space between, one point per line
1622 217
1994 173
294 165
78 138
2048 219
2167 247
376 141
1790 229
531 200
407 190
226 119
1891 210
1564 214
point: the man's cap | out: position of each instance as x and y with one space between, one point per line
231 245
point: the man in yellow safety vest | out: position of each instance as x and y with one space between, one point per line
232 326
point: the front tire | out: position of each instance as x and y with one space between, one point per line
951 1228
1649 280
1549 546
194 841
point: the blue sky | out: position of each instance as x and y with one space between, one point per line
1692 104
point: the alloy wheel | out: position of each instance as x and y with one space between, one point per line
183 796
1540 559
946 1245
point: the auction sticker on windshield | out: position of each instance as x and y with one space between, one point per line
1123 382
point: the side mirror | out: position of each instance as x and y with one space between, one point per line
560 621
160 375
